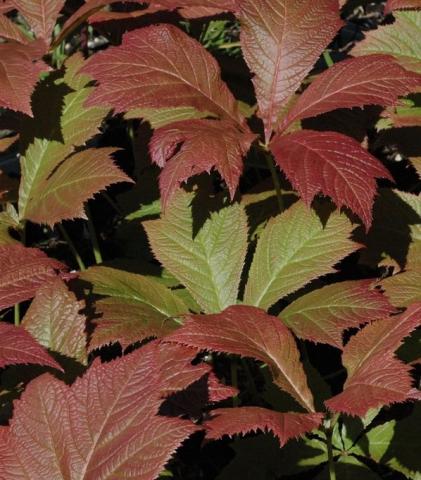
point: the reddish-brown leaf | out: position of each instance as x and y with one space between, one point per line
401 5
10 31
368 80
6 6
23 272
375 376
204 144
285 426
250 332
18 346
106 425
332 164
280 51
160 67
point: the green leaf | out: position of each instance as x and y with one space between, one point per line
294 249
209 264
349 468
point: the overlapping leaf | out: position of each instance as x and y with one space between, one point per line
208 265
332 164
106 425
251 332
375 376
18 346
23 272
401 4
294 249
160 67
368 80
322 315
10 31
279 50
204 144
402 39
53 318
285 426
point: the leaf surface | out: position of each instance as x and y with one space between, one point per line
294 249
18 346
401 4
279 50
333 164
159 67
285 426
23 272
322 315
53 318
404 289
204 144
10 31
208 265
250 332
368 80
375 376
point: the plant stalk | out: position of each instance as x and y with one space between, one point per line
94 239
276 183
72 247
16 311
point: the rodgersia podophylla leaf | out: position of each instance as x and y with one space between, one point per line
295 248
55 321
375 376
10 31
250 332
333 164
401 4
204 144
208 265
23 272
278 49
322 315
18 346
106 425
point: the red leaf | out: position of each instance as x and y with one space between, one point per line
250 332
18 346
279 50
23 272
41 15
160 67
6 6
333 164
285 426
375 376
367 80
401 5
106 425
10 31
205 144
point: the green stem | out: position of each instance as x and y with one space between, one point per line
72 247
328 58
276 183
94 238
329 444
17 314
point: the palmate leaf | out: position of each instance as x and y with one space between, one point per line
375 376
285 426
158 67
53 319
278 49
323 315
204 144
333 164
208 265
23 272
250 332
402 39
294 249
368 80
18 346
106 425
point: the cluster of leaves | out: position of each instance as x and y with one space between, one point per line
224 272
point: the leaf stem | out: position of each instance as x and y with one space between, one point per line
72 247
276 183
328 58
329 444
16 311
94 239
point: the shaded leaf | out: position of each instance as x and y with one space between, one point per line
401 4
322 315
333 164
53 318
208 265
203 145
293 249
403 289
278 49
250 332
18 346
375 376
23 272
10 30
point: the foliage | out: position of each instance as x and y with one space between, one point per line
250 279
